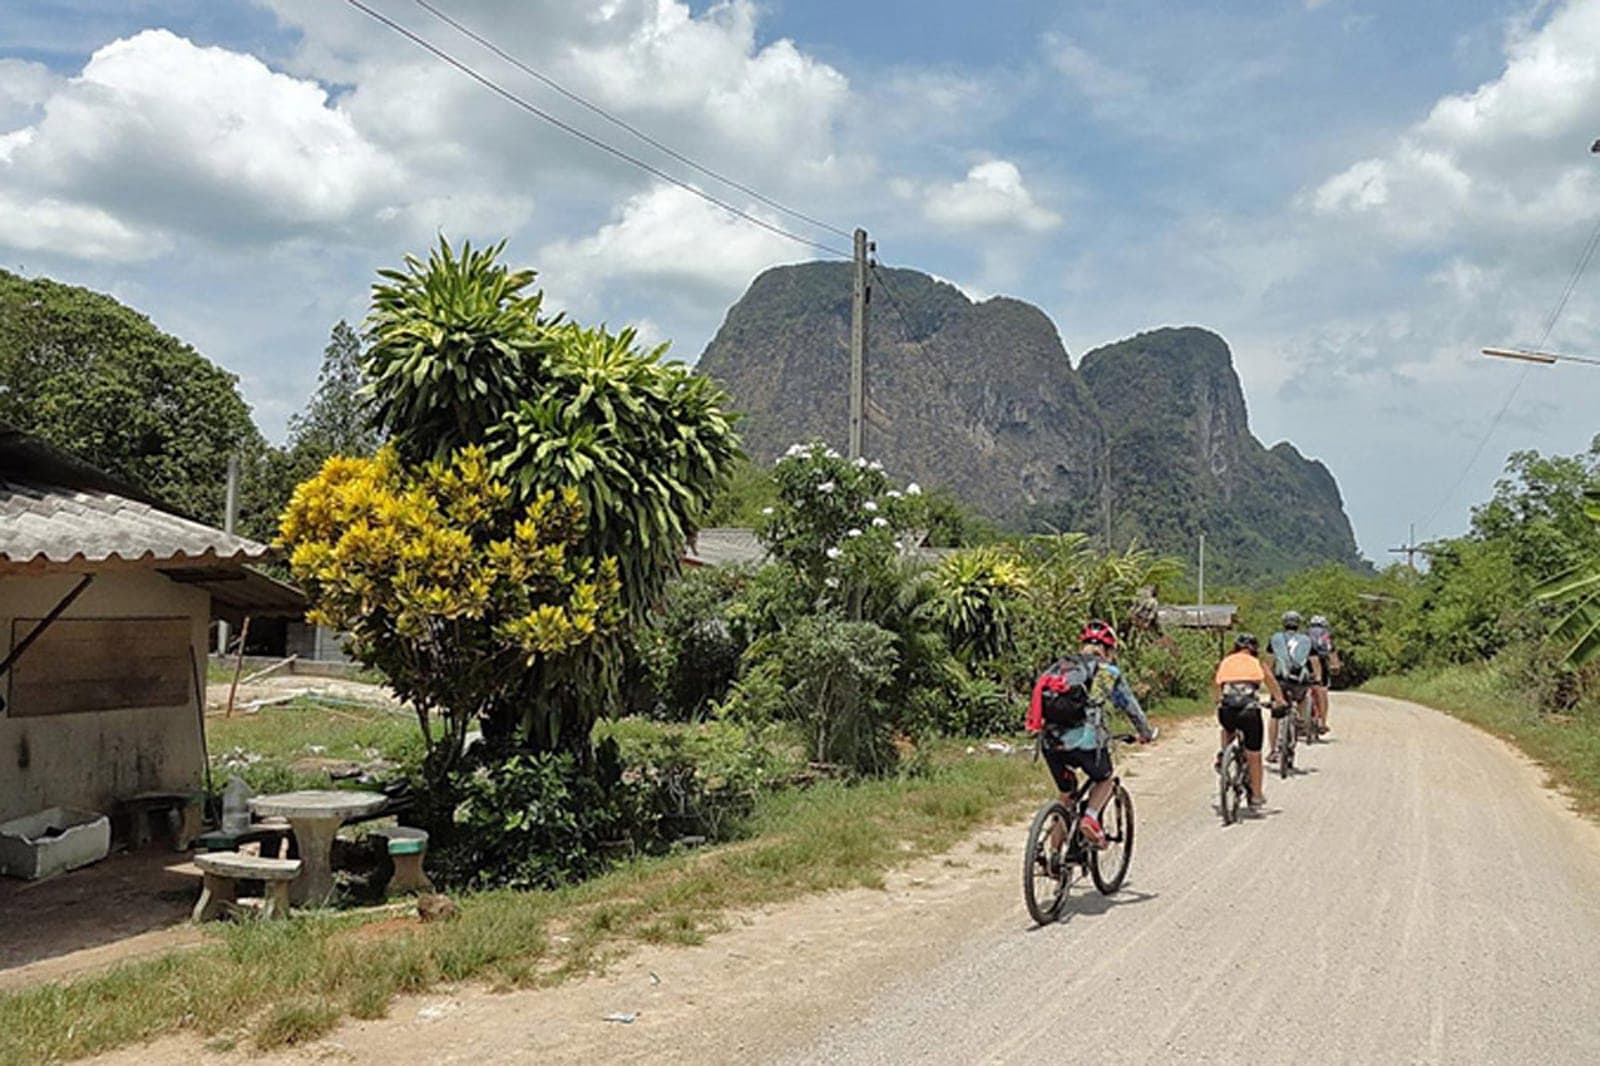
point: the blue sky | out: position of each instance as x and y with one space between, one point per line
1357 195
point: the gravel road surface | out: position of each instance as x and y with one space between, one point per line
1415 896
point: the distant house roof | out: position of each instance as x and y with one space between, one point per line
1209 616
724 546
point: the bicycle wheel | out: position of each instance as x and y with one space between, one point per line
1231 784
1045 870
1286 745
1109 865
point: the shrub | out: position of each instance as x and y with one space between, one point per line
830 677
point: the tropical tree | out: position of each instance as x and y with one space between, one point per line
1578 591
470 602
460 354
97 378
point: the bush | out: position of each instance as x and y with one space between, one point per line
829 677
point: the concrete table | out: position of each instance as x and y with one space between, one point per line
314 817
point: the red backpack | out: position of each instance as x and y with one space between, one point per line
1064 695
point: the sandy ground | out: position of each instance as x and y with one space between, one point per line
1415 896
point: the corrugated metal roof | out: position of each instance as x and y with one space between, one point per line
724 546
61 527
238 591
1210 616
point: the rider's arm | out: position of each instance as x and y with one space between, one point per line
1316 670
1274 687
1124 700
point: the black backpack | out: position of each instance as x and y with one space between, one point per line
1064 691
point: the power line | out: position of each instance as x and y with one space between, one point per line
624 125
587 138
1550 321
894 305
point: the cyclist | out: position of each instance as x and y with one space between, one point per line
1236 688
1328 661
1093 678
1295 669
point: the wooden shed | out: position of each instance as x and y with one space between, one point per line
105 601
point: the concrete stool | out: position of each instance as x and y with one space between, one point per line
407 848
225 869
181 809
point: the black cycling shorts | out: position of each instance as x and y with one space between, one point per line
1095 762
1293 693
1246 721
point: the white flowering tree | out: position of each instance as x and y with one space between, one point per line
838 524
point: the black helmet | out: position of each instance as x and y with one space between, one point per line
1291 619
1246 641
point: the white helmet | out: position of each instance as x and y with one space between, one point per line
1319 620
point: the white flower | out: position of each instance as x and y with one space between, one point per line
899 545
880 523
826 487
894 494
861 462
870 505
831 454
831 582
852 532
796 451
766 511
875 466
913 489
833 553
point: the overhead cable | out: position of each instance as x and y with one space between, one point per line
622 124
587 138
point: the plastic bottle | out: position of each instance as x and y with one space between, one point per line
235 805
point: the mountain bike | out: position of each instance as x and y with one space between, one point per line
1287 729
1057 854
1233 780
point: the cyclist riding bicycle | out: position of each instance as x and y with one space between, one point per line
1328 660
1068 711
1296 670
1236 690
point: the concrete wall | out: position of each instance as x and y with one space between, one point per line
91 759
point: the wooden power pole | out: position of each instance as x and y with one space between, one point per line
861 296
1411 549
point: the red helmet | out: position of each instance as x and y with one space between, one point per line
1098 632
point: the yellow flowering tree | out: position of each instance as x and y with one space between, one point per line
471 604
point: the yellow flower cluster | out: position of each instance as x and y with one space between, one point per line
441 554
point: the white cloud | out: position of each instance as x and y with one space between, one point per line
162 137
1507 158
668 238
991 195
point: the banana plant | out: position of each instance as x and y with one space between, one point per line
1578 592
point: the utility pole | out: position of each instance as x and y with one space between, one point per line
861 296
230 514
1105 494
1202 590
1411 549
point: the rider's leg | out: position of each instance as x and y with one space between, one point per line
1252 759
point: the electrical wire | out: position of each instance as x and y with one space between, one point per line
622 124
1550 321
895 306
586 137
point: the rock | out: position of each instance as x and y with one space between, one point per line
433 907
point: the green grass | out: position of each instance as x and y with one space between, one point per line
1567 746
277 983
284 734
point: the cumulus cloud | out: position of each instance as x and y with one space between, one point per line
668 238
159 136
991 195
1507 158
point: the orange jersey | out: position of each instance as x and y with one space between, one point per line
1241 668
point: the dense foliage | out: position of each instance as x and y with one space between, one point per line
97 379
468 601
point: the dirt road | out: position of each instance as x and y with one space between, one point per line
1414 897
